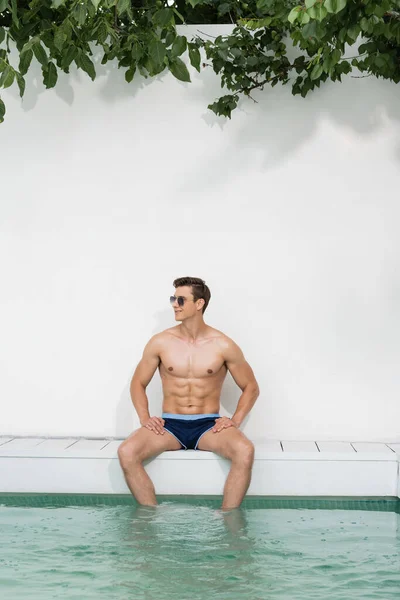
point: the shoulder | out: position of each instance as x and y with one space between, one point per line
228 346
156 342
159 339
167 334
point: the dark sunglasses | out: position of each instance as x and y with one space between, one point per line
179 299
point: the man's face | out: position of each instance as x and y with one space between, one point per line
189 307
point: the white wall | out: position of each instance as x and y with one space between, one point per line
289 211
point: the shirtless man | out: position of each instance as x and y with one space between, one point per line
193 360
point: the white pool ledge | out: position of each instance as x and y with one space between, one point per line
292 468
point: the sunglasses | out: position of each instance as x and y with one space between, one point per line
179 299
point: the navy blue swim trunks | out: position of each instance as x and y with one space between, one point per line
188 429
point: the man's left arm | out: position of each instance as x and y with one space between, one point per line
243 376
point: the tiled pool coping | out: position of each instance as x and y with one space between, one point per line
385 504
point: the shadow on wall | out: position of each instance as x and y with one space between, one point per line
280 124
276 126
126 418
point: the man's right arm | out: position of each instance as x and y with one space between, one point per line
142 376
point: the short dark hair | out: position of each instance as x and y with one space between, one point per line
199 289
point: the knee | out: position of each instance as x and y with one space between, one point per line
245 453
128 454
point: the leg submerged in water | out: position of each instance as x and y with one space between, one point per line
141 445
238 480
139 483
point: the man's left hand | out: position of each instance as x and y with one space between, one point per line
223 423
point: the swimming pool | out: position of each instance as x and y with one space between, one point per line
288 548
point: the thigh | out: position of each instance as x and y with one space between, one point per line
143 443
226 442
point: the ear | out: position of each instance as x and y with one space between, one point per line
200 303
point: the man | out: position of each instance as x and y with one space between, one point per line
193 360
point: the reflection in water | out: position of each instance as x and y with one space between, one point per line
198 550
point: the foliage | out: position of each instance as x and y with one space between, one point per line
141 35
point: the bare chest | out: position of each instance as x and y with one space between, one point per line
190 361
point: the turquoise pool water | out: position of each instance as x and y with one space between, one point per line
187 549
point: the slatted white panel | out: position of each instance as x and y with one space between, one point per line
268 445
92 466
20 444
4 439
301 446
111 450
335 447
52 447
374 447
395 447
86 448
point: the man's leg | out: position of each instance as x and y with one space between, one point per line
237 482
139 446
233 444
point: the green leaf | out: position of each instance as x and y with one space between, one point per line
59 39
102 32
335 6
130 73
317 12
330 5
194 3
309 3
179 46
80 14
163 17
123 6
303 17
40 53
2 34
194 56
14 12
67 28
50 75
57 3
380 61
96 3
309 30
3 5
68 56
225 7
294 14
353 32
326 64
335 56
316 72
379 11
178 14
2 110
179 70
7 77
364 24
137 51
169 38
25 61
21 84
157 51
86 65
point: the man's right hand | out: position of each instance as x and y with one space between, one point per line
155 424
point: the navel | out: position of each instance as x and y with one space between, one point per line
170 368
209 370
